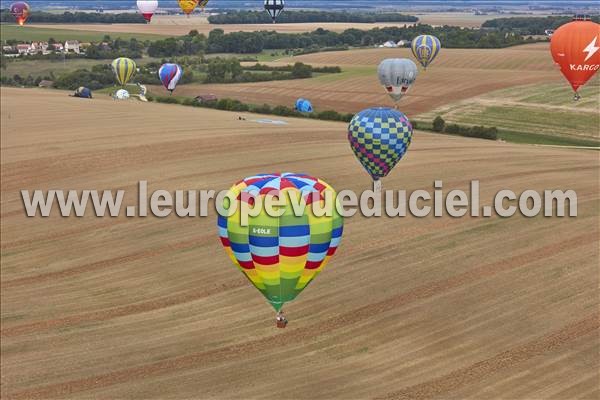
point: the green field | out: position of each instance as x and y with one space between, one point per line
28 34
541 114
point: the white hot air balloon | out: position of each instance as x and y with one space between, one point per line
147 8
121 94
397 75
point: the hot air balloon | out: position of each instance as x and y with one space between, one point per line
20 10
575 48
281 255
202 4
124 69
188 6
83 92
379 138
274 8
304 106
397 75
147 8
425 48
121 94
169 75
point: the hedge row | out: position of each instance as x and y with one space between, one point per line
482 132
236 105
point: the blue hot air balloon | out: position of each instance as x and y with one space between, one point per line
169 75
304 106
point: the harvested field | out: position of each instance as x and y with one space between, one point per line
455 75
408 308
179 25
465 19
542 109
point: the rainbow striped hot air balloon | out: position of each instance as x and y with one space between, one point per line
425 48
124 69
281 255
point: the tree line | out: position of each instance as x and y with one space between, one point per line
236 105
259 17
254 42
530 25
77 17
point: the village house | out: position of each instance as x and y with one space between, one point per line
39 47
24 49
58 47
72 46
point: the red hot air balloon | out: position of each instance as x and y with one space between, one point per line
20 10
575 48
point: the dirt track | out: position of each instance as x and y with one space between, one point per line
456 75
408 308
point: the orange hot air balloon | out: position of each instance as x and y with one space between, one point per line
575 48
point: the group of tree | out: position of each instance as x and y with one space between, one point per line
77 17
98 77
259 17
193 43
530 25
228 70
110 49
482 132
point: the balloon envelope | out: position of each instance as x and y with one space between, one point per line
304 106
121 94
202 3
282 255
379 138
397 75
20 10
274 8
169 75
147 8
124 69
425 48
188 6
83 92
575 48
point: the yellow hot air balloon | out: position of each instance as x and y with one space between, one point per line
124 69
188 6
202 4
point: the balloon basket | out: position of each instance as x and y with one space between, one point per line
281 324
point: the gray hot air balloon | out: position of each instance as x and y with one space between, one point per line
397 75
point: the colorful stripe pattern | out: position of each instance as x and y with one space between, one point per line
379 137
124 69
169 75
282 255
425 48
